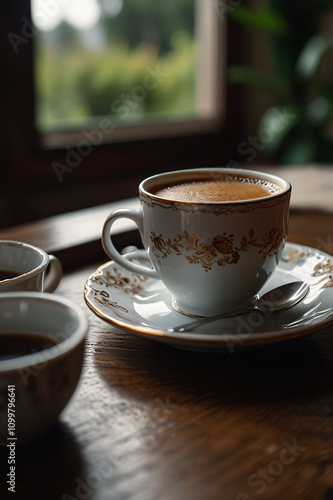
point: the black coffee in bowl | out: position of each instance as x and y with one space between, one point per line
13 345
6 275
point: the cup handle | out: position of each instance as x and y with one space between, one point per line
112 252
54 274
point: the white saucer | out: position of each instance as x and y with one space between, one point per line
143 305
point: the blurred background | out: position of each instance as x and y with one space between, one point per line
98 94
92 59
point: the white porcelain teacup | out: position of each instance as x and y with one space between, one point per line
41 354
24 267
211 255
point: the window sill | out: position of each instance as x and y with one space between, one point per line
75 237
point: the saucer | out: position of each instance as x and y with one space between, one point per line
142 305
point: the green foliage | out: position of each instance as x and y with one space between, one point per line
77 85
154 20
292 30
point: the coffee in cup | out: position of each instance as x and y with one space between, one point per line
42 339
218 188
212 254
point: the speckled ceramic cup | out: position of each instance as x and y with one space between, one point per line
212 256
36 387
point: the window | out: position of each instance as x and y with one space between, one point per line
143 65
85 121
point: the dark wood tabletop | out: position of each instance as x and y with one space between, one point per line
152 422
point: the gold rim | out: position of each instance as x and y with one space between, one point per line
203 174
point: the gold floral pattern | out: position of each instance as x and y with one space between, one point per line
294 255
119 281
221 251
325 269
116 280
102 297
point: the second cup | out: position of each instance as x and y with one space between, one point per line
24 267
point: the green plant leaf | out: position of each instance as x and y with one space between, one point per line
271 83
275 126
263 19
318 112
311 56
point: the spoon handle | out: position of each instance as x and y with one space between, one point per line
276 300
185 327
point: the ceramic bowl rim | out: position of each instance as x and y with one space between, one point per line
50 353
29 274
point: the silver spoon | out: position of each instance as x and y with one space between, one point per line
279 299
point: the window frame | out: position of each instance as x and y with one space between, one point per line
111 170
209 107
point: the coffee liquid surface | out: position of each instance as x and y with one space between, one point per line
13 345
6 275
218 190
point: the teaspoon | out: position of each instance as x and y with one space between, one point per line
276 300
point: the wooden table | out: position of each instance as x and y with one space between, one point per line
151 422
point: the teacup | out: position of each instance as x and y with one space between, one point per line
211 255
24 267
41 354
